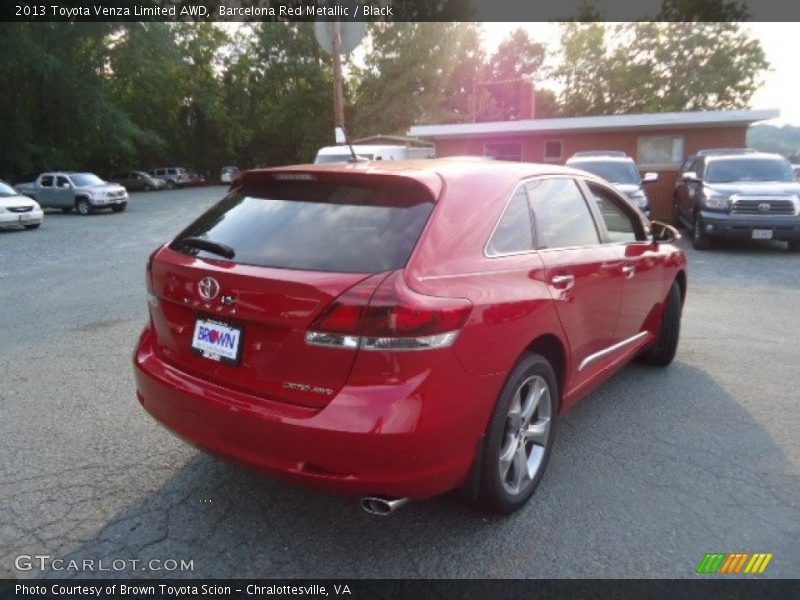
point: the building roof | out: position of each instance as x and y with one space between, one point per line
672 120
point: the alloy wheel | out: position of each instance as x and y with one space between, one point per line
525 436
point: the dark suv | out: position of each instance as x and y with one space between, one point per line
738 194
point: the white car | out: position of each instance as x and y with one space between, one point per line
16 209
228 174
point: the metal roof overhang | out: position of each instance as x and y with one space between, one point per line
651 121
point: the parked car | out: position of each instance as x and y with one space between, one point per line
619 169
195 179
228 174
425 334
135 181
738 194
17 209
85 192
176 177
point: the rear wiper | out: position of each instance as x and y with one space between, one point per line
208 245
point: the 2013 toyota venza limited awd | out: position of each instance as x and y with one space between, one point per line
401 329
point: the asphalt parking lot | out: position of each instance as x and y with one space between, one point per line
653 470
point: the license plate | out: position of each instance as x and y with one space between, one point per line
24 218
217 341
762 234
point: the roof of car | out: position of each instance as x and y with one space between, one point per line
446 167
431 172
599 157
743 156
600 153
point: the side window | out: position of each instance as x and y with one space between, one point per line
619 223
62 182
514 232
562 217
46 181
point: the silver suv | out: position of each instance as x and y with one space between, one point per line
620 170
176 177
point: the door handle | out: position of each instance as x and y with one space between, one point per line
563 282
629 271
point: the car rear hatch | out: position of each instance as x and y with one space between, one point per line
232 297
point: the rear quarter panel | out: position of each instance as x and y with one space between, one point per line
512 305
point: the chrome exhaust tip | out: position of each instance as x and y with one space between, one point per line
376 505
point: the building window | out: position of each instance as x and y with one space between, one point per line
504 151
661 151
552 150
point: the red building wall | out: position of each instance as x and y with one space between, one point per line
660 192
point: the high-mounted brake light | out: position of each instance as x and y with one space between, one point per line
152 299
391 317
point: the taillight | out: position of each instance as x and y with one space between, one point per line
391 317
152 299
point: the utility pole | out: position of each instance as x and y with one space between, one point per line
338 95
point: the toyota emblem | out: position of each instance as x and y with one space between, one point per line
208 288
764 207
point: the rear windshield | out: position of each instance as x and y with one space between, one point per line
749 169
615 172
316 226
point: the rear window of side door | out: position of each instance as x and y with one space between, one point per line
582 273
641 262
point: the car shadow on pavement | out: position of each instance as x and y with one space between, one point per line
651 471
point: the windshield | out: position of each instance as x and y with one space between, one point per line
615 172
6 190
359 227
323 159
81 179
749 169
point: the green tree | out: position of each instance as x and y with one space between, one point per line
416 72
56 111
657 67
518 58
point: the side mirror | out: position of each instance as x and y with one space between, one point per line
689 176
650 177
664 233
65 186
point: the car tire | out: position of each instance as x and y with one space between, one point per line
32 226
794 246
83 206
147 188
519 438
676 217
699 239
170 185
119 207
662 352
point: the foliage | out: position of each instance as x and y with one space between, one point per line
783 140
115 96
657 67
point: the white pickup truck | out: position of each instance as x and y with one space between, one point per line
84 192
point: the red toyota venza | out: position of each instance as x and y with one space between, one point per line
398 330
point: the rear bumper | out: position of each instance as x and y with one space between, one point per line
726 226
395 439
